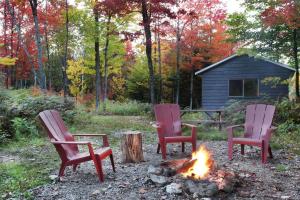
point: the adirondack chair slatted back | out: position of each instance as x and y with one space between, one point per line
258 119
57 131
168 115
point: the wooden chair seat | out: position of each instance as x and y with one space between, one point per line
179 139
85 156
247 141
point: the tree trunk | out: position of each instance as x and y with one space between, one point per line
131 146
5 29
295 53
106 62
42 82
191 88
147 30
47 49
159 67
177 62
97 61
5 41
65 77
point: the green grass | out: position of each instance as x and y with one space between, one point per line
108 124
35 160
212 134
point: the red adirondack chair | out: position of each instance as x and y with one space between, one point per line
168 126
67 147
257 130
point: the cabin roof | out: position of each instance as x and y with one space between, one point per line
235 56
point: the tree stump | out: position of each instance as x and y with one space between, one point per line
131 147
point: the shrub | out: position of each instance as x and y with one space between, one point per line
287 110
31 106
288 136
18 111
23 127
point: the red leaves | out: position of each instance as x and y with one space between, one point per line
283 12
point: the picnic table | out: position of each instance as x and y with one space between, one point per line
212 120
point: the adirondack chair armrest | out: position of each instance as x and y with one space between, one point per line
71 142
193 127
188 125
89 144
230 129
104 137
88 135
235 126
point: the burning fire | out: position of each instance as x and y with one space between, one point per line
202 163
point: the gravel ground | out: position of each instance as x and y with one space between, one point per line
279 179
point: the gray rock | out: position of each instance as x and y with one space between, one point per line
212 189
174 188
53 177
154 170
203 188
96 192
158 179
191 186
228 185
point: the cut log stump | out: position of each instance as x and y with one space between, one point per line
131 147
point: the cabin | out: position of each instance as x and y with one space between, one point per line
240 77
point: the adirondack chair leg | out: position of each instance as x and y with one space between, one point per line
62 169
264 152
100 173
74 167
270 152
182 146
164 151
230 146
98 166
158 148
242 149
112 162
194 146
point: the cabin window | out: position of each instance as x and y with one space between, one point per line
243 88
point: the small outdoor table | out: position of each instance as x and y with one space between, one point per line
131 147
212 120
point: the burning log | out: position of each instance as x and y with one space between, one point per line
186 166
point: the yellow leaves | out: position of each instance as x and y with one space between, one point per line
76 71
7 61
118 88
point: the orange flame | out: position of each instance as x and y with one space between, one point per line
202 164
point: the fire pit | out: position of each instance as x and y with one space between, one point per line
198 175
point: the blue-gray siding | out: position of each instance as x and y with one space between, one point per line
215 80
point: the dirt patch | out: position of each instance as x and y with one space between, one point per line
279 179
6 158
